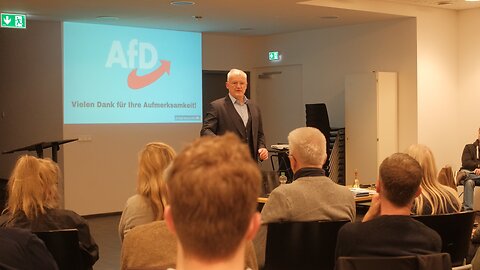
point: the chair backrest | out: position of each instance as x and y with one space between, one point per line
439 261
64 247
302 245
455 230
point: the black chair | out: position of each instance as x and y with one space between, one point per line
64 247
302 245
455 230
439 261
3 193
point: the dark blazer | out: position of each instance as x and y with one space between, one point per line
222 117
469 157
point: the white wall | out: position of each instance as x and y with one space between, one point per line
328 55
438 86
30 89
469 78
437 74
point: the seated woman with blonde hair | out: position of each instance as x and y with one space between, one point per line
148 204
435 198
33 204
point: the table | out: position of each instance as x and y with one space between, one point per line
362 199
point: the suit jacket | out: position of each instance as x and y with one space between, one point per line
469 157
222 117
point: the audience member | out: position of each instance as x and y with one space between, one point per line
148 204
435 198
312 195
33 203
469 174
20 249
387 228
213 190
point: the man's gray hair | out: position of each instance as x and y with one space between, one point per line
308 145
236 72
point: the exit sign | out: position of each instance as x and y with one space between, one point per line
273 56
10 20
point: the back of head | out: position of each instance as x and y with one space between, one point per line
308 145
213 186
153 160
32 187
438 197
400 177
424 156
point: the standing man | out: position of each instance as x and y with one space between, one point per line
237 114
469 174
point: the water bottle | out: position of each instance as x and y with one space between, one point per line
282 178
356 182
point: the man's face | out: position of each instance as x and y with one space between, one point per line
236 86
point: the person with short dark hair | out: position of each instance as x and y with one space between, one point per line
387 229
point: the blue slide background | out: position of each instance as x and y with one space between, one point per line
88 80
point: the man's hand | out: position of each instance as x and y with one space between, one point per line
477 171
374 210
263 153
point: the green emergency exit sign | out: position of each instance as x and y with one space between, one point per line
10 20
273 56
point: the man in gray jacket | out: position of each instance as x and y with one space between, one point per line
312 196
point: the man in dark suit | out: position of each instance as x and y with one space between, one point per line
469 174
237 114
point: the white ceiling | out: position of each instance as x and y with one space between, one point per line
247 17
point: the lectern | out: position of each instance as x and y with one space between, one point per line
38 147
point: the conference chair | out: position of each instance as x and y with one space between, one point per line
455 230
439 261
3 193
64 247
301 245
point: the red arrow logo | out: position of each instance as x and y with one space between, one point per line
137 82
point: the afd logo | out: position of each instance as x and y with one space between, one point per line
139 55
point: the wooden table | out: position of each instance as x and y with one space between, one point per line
357 199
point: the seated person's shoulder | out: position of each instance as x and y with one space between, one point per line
155 227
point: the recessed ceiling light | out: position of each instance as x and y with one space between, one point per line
182 3
472 0
107 18
444 3
332 17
